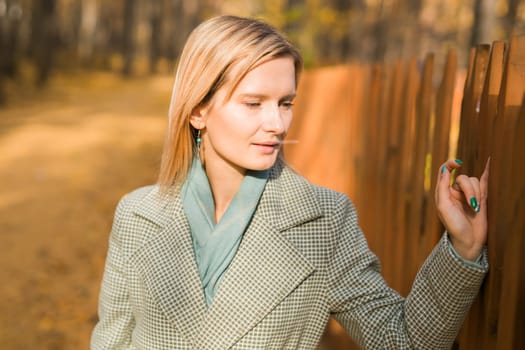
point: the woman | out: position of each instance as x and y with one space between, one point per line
232 249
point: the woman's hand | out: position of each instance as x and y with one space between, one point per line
462 208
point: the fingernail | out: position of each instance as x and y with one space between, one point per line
473 203
443 169
459 161
478 208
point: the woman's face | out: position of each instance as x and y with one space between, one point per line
245 130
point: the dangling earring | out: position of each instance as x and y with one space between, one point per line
198 139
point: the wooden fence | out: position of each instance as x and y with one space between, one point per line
379 134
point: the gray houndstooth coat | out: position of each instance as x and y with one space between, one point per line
302 259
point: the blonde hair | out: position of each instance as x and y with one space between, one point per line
219 52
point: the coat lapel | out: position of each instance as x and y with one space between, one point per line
266 268
167 264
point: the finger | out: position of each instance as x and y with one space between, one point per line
452 164
469 192
455 187
442 183
443 179
474 181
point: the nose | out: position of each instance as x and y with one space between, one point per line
273 121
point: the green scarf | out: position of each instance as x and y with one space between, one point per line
214 244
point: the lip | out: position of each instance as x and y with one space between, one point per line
267 147
267 143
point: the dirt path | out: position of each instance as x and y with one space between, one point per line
66 158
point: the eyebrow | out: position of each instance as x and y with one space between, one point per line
262 96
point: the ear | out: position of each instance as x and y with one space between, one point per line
197 117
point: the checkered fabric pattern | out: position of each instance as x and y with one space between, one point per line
302 259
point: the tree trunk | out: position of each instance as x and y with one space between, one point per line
411 30
2 60
156 33
44 37
87 28
484 20
110 35
10 27
293 26
357 30
380 33
342 45
184 17
128 37
175 40
509 21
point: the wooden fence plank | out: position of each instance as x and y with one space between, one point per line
383 122
370 173
405 185
512 317
468 133
483 307
489 104
358 77
513 89
393 155
419 153
440 140
467 147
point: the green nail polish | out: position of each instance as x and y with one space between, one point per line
443 168
478 208
473 202
459 161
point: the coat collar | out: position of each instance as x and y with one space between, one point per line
265 269
289 198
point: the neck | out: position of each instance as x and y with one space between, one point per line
224 182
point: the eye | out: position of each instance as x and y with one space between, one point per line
287 104
252 104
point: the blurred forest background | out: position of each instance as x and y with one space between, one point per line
84 93
139 37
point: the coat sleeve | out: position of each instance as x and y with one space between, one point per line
377 317
116 322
